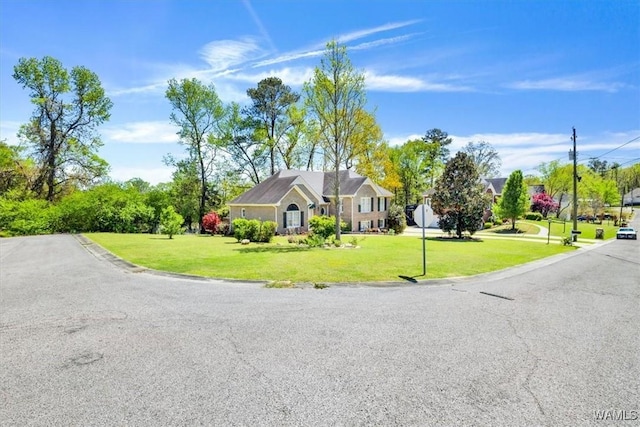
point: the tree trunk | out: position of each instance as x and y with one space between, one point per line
336 194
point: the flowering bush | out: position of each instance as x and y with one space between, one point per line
543 203
210 222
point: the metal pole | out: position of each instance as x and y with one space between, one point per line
424 240
575 189
549 232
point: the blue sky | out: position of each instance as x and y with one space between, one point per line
517 74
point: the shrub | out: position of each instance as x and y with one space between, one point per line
223 228
315 241
27 217
497 222
210 222
396 219
240 227
254 230
267 231
488 225
325 225
171 222
533 216
337 243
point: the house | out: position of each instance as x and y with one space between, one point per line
291 197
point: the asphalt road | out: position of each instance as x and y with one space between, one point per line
85 342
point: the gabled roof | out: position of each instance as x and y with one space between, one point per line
317 186
496 183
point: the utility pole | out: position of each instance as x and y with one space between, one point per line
574 155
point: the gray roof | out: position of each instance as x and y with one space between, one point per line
317 186
496 183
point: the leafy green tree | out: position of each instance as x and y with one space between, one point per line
336 98
171 222
514 201
16 172
412 164
557 180
485 157
247 156
198 112
62 131
459 199
436 152
271 102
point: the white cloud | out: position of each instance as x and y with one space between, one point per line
567 84
9 130
394 83
224 54
355 35
150 132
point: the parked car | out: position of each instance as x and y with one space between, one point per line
627 233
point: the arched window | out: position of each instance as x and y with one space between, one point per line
293 217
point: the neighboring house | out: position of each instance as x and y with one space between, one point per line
291 197
632 198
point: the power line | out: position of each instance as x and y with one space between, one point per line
617 148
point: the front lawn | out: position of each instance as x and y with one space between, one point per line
379 258
588 229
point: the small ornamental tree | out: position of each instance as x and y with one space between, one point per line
514 201
170 222
396 219
324 226
544 204
210 222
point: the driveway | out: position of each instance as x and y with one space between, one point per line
85 342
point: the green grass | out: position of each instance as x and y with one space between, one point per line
558 228
380 258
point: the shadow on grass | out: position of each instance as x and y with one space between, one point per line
509 231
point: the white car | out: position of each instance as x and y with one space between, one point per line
627 233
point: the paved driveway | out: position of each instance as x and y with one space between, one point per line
84 342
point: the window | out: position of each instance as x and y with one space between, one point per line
381 223
365 204
292 216
365 225
293 219
382 204
243 213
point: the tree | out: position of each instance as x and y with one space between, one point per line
436 151
197 111
271 101
485 157
396 218
336 98
171 222
16 172
210 222
62 131
543 203
459 199
515 198
557 180
598 166
247 156
412 164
